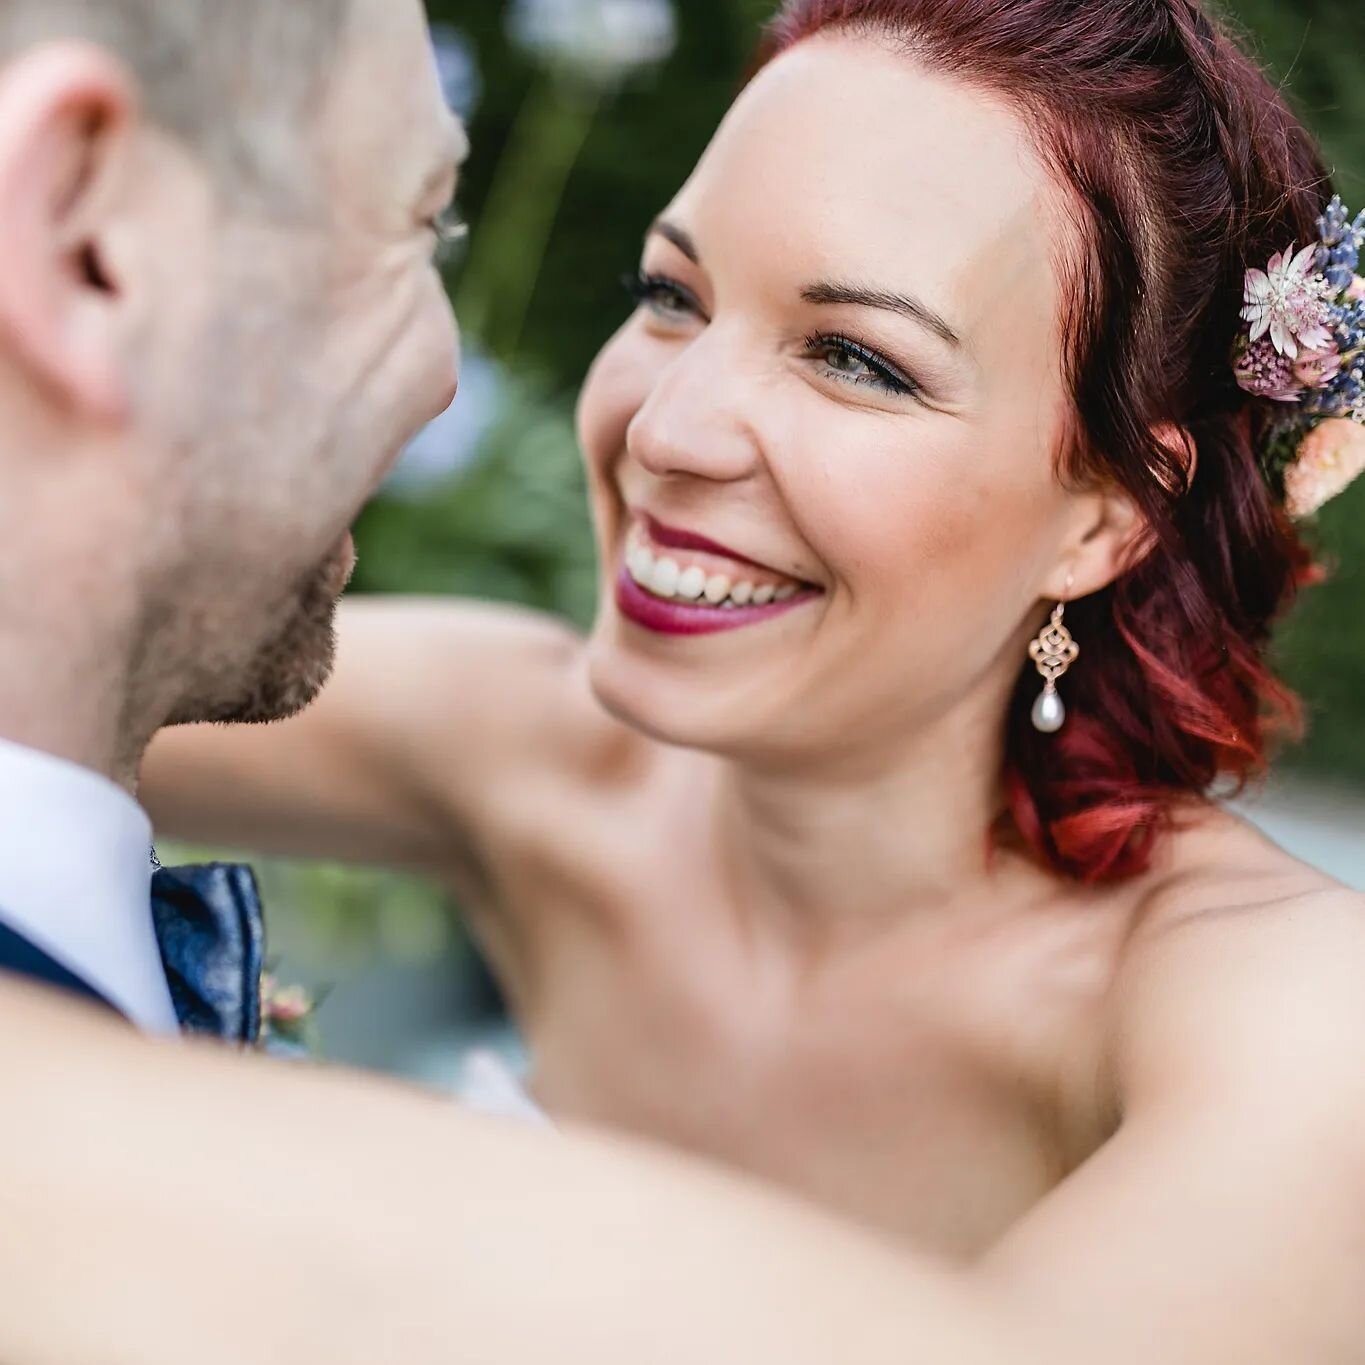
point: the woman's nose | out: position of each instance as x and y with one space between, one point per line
692 423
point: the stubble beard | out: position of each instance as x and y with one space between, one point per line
288 672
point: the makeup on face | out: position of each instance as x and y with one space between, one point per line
678 582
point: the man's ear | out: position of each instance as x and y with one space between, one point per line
1109 531
66 112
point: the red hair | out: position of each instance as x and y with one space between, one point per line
1189 167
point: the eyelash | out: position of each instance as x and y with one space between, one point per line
451 233
884 376
651 290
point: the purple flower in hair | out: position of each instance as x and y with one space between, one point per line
1263 371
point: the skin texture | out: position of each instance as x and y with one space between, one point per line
357 1222
215 385
740 887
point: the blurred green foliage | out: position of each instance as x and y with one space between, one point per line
513 527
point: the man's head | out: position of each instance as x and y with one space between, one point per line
219 323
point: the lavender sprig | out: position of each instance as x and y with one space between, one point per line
1338 256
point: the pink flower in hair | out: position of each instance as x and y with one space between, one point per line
1290 301
1264 372
1331 457
1317 369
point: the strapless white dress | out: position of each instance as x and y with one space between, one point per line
488 1085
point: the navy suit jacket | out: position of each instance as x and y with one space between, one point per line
21 958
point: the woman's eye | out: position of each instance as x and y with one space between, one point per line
852 363
665 298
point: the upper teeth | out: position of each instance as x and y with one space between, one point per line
667 578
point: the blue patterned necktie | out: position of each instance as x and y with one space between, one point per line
209 925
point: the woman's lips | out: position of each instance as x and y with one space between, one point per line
679 583
672 617
671 538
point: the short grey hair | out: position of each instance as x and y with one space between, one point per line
235 80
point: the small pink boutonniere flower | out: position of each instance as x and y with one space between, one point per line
286 1016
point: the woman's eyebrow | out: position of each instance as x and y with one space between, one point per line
827 292
682 240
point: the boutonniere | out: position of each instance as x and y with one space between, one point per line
288 1018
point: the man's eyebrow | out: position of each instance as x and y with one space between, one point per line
827 292
682 240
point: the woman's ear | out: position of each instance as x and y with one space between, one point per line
1109 532
1107 538
65 115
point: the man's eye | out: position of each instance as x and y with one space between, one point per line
451 233
665 298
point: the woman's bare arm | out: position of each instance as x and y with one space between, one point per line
1226 1220
162 1204
436 709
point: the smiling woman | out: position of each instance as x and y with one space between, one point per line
774 866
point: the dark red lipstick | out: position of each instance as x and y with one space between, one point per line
670 538
692 618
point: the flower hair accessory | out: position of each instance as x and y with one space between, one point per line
1304 345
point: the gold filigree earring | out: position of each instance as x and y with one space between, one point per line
1054 651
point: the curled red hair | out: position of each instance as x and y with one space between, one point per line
1190 167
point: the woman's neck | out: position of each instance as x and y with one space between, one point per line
833 853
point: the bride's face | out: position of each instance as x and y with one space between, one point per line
823 449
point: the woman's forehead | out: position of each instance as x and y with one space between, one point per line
843 154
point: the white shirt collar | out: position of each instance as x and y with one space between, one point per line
75 879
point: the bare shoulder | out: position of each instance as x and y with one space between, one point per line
494 701
428 641
513 670
1235 1025
1243 960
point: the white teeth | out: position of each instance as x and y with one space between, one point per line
668 579
640 563
692 584
663 579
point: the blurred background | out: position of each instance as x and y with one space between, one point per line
586 116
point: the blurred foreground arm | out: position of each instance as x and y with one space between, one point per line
162 1204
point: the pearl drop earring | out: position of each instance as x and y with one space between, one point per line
1054 651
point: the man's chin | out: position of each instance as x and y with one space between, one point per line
289 669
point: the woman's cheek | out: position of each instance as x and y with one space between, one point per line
616 388
905 512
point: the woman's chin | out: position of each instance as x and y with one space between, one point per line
668 703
